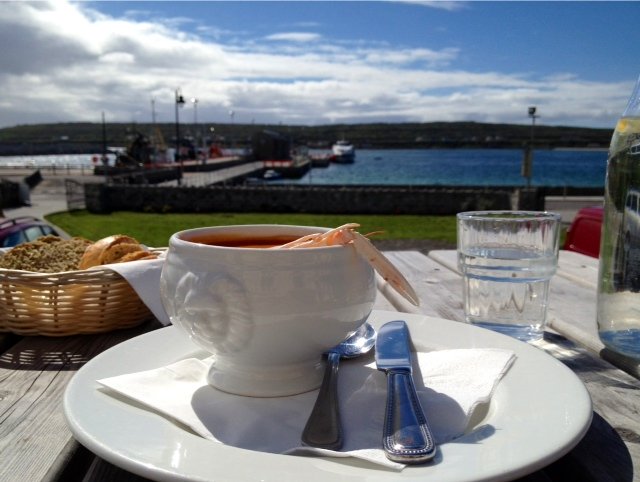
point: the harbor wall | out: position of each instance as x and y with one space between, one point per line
102 198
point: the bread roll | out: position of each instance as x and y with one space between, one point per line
113 253
109 250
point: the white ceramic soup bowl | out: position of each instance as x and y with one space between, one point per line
266 315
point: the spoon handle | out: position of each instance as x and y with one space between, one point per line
323 428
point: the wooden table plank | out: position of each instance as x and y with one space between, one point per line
35 442
436 286
578 268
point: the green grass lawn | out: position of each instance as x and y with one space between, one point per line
155 229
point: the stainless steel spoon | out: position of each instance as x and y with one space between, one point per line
324 428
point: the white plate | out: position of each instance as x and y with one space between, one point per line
539 411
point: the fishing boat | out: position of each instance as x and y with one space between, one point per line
279 157
343 152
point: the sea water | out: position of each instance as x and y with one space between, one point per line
444 167
506 290
461 167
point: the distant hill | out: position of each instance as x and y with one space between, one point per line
84 137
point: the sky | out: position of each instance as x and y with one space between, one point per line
320 62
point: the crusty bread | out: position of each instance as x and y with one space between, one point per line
111 249
113 253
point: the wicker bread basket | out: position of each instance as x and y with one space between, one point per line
68 303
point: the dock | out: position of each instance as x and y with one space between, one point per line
220 176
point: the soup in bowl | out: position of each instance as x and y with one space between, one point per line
266 314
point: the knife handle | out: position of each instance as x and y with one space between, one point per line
323 428
406 437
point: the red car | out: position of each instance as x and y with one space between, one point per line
583 235
19 230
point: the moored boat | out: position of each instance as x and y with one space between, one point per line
279 157
343 152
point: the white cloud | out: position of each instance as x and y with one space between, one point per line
117 58
294 37
66 62
451 6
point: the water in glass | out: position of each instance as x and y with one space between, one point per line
505 289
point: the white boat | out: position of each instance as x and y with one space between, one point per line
271 174
343 152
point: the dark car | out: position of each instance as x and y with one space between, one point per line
19 230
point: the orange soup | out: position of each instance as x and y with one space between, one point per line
242 241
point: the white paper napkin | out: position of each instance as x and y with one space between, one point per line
450 384
144 278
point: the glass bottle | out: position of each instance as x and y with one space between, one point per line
618 310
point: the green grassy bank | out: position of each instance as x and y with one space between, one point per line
155 229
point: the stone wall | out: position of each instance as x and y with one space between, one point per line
101 198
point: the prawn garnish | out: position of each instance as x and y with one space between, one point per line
347 235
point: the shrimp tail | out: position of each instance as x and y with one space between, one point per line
385 268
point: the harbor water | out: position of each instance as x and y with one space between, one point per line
444 167
463 167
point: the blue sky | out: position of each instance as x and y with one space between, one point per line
318 62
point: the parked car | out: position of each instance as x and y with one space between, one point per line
584 233
19 230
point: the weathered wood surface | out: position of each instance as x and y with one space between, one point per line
36 445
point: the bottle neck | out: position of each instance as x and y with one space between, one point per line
633 106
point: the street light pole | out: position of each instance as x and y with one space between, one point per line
194 101
179 103
196 134
527 161
532 114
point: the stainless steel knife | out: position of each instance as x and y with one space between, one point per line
406 435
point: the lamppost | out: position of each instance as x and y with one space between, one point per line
179 103
527 161
532 114
196 134
194 101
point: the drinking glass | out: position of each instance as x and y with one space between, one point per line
507 259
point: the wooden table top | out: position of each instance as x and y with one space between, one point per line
36 445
